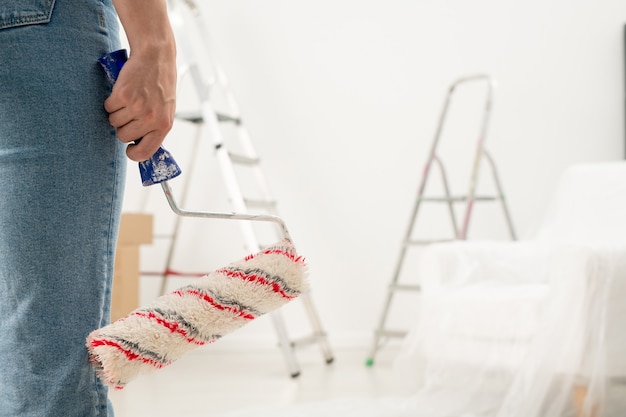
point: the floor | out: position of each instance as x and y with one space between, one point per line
209 383
216 383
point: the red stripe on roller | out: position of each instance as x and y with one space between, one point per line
130 355
258 279
173 327
214 303
276 252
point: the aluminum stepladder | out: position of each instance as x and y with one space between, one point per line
183 15
469 198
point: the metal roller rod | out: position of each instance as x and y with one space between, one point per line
223 215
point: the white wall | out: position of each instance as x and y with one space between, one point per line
342 98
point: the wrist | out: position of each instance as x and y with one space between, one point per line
161 47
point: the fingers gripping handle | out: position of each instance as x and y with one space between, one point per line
161 166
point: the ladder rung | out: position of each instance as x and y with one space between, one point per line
461 198
391 333
221 117
193 117
266 204
196 117
419 242
241 159
405 287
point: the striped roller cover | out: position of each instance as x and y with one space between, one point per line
214 305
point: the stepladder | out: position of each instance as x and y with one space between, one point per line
458 208
219 127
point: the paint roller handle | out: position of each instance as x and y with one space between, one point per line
161 166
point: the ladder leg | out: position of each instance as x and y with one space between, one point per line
380 331
285 344
177 220
169 257
448 196
318 332
480 146
505 208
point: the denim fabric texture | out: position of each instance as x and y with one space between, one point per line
61 186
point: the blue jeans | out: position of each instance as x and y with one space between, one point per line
61 186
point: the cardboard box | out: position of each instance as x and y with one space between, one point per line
135 229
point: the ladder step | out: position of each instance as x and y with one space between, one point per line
242 159
192 117
390 333
221 117
196 117
457 199
405 287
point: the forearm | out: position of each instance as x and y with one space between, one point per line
147 26
143 100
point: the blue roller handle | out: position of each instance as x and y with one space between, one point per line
161 166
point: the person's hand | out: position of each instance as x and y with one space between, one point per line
143 101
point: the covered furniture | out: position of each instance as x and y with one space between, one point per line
531 328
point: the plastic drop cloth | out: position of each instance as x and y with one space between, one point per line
534 328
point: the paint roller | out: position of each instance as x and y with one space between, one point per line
152 337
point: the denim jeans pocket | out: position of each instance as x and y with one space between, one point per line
15 13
